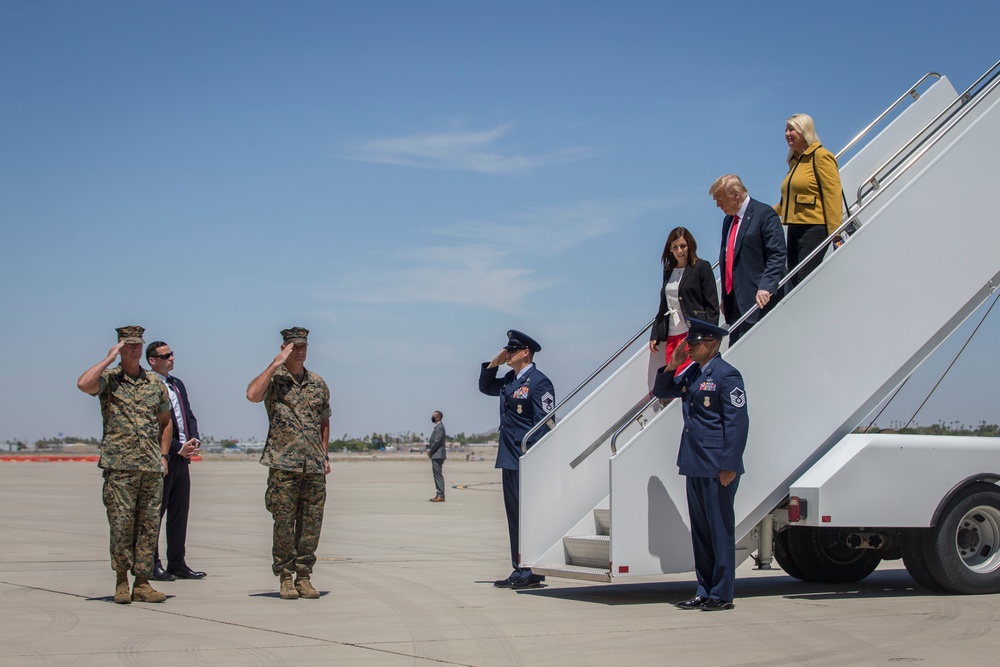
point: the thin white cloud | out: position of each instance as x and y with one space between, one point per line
460 150
472 268
551 230
472 275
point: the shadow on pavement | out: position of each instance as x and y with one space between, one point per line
887 584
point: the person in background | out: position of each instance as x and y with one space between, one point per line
688 290
811 205
436 452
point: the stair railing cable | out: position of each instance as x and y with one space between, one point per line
874 182
941 379
583 384
912 93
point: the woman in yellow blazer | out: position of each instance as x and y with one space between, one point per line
811 203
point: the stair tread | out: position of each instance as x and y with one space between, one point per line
573 572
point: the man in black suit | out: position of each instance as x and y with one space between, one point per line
752 256
177 483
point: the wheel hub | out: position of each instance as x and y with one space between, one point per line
977 539
968 539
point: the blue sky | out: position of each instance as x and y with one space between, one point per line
407 180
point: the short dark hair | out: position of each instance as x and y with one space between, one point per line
439 414
152 347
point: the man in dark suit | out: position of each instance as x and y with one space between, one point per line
752 256
177 483
711 457
436 452
526 398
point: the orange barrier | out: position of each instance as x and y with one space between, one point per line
48 458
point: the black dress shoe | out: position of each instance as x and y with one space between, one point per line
712 604
530 582
187 573
697 602
504 583
162 575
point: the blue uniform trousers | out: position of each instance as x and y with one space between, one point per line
512 504
713 528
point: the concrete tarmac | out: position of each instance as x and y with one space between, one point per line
408 582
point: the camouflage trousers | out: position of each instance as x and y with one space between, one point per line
132 498
296 501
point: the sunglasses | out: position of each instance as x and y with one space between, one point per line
162 356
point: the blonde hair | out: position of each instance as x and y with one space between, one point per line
803 124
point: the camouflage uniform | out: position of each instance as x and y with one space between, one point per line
133 469
296 454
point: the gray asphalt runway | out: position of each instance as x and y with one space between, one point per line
408 582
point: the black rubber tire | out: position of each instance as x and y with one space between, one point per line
963 550
784 556
822 555
911 543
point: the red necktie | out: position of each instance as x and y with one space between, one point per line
730 252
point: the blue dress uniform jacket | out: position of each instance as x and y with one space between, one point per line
715 434
523 403
716 423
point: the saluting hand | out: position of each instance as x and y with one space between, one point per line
284 354
116 350
500 359
677 357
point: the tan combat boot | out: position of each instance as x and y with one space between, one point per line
305 589
121 589
143 592
287 591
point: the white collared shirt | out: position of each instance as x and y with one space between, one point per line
525 370
743 210
175 405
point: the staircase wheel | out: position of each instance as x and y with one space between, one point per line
912 543
784 556
963 550
823 556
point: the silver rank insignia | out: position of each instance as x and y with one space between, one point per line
520 409
708 401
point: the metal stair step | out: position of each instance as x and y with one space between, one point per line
588 551
602 517
573 572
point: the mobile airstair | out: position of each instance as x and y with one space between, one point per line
600 494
